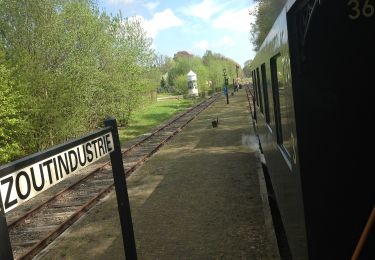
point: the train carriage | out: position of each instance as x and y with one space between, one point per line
311 84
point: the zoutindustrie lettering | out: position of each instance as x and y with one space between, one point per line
22 185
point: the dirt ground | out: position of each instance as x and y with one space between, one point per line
201 196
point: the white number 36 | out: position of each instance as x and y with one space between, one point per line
356 11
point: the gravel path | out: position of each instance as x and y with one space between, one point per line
199 197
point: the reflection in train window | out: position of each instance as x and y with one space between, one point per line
280 82
255 88
259 91
265 93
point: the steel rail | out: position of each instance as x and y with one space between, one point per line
84 208
101 166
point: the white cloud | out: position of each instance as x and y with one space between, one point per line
160 21
151 5
117 2
201 45
205 10
225 42
234 20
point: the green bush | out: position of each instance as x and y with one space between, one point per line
202 94
12 126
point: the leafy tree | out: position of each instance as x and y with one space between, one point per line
163 85
216 63
265 13
185 63
209 68
73 66
180 84
134 62
65 66
164 63
12 123
246 68
182 54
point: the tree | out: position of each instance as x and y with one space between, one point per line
246 68
65 66
182 54
12 123
265 14
215 63
180 84
163 85
134 75
164 63
183 64
73 66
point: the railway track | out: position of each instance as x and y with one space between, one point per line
36 227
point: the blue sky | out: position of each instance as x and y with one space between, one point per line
193 25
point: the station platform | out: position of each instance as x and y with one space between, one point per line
202 196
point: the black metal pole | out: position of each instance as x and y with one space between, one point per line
226 84
237 86
5 246
122 193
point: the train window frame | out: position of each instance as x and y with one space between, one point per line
277 110
259 91
265 94
255 88
275 98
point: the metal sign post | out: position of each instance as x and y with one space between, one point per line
5 247
226 84
122 194
25 178
226 93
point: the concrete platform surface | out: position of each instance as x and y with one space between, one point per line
202 196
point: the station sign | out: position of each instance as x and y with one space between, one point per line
22 184
25 178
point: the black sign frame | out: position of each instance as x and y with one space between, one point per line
118 176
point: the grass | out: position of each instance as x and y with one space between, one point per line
167 94
152 115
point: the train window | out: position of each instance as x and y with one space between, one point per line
255 88
280 77
259 91
276 101
265 93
